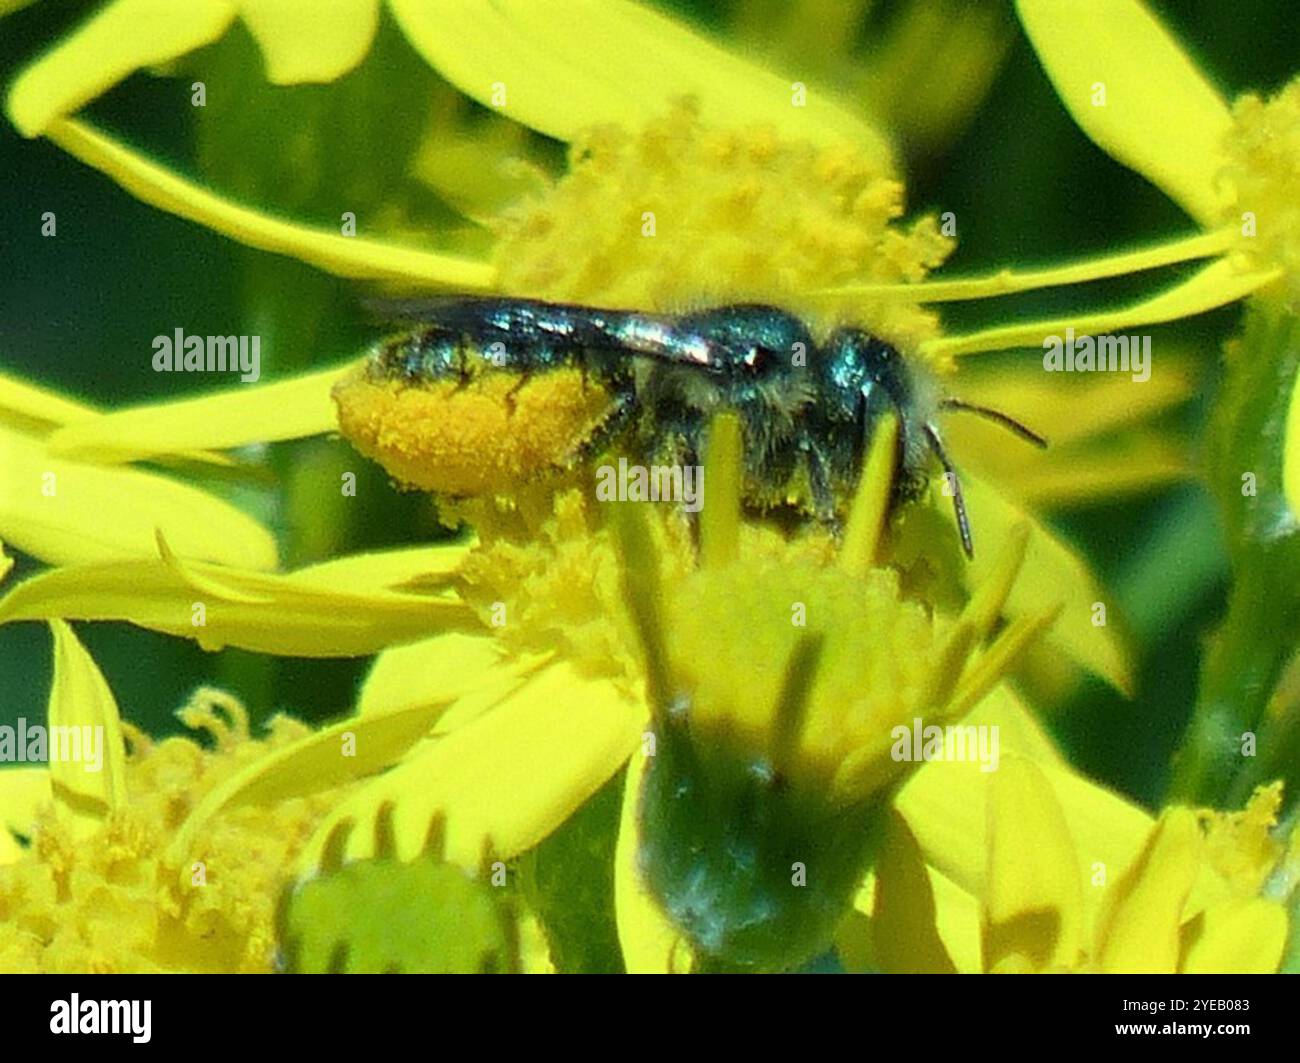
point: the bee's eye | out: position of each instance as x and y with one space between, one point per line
757 358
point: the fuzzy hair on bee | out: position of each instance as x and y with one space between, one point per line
478 395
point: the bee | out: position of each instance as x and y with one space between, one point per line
480 394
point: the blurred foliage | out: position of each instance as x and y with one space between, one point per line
79 313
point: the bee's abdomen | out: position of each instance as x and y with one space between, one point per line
443 414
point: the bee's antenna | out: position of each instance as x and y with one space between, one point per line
1005 420
958 502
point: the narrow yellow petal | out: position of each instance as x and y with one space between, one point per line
905 936
86 750
1007 282
945 804
724 469
1074 475
66 512
28 407
23 792
1242 936
302 40
1067 407
344 256
499 784
220 606
870 508
123 37
651 944
1053 575
1136 93
567 65
469 670
1138 927
350 749
232 417
1215 285
412 568
1034 906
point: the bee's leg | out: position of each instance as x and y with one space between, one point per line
825 505
462 363
525 375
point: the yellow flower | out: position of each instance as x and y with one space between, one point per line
158 856
1057 900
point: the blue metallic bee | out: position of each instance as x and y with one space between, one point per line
808 409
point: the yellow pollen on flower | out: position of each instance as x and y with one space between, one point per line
1240 845
1263 161
107 902
678 216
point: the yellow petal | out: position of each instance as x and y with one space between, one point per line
346 256
1072 475
471 671
66 512
1034 906
86 750
905 936
499 784
1291 453
570 64
350 749
411 568
23 792
27 407
234 416
220 606
302 40
1137 930
123 37
1065 407
1215 285
1160 115
945 803
1243 936
650 943
1006 281
1053 574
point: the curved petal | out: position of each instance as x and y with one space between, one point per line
904 928
348 750
650 942
1244 936
345 256
499 784
1053 574
303 40
1217 284
570 64
232 417
86 750
1138 927
471 671
1034 905
1159 115
66 512
123 37
220 606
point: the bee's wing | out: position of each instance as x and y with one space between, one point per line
486 318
